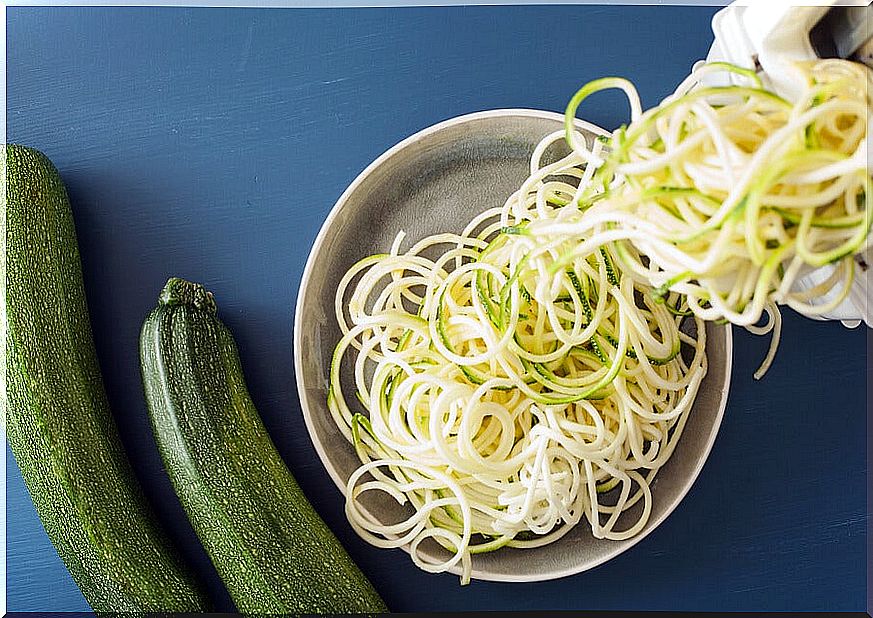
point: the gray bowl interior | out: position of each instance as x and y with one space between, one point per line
434 182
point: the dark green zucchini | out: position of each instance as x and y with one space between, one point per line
270 547
59 424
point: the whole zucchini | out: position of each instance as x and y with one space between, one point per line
269 546
59 424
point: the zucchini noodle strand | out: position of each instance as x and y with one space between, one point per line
537 370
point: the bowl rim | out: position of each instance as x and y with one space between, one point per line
340 483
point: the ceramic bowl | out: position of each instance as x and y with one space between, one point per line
435 181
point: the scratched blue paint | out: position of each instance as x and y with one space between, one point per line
211 143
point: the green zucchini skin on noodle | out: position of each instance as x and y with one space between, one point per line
273 552
59 424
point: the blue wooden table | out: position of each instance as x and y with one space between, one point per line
211 143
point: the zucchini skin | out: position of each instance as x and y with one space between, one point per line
271 549
59 424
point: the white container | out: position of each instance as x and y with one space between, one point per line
769 37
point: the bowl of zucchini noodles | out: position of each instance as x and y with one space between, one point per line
489 390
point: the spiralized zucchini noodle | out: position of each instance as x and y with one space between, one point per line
728 195
538 368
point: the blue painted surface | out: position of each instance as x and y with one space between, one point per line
211 143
